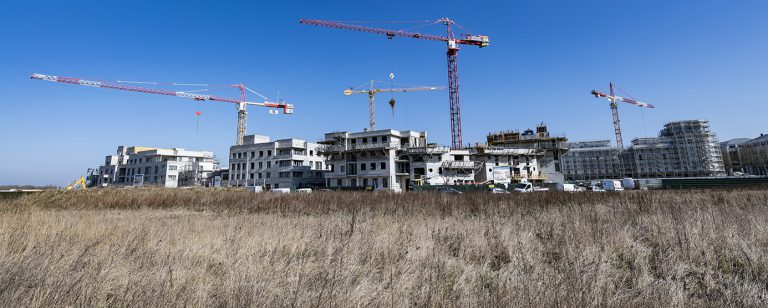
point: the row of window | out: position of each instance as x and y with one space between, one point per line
374 182
269 153
374 139
281 163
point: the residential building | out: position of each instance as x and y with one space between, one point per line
550 146
591 160
731 151
682 149
133 166
286 163
370 159
754 155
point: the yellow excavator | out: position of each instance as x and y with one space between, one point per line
80 181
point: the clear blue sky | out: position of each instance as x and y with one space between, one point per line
692 59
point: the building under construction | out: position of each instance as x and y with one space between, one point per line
550 147
682 149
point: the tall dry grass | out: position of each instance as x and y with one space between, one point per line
159 247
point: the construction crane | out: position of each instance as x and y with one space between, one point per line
372 94
615 110
453 49
241 104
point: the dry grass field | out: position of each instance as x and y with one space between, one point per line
155 247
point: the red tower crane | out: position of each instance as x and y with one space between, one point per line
453 69
615 111
242 118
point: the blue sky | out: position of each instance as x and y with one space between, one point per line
692 59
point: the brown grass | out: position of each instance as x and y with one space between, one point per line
158 247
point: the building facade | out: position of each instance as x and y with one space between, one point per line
135 166
550 147
286 163
747 156
682 149
591 160
370 159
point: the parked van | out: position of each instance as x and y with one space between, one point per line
612 185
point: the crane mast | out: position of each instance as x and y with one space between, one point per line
372 96
615 111
242 113
452 54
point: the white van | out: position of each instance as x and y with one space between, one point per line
612 185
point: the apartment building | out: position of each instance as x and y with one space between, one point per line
370 159
591 160
682 149
286 163
748 156
549 147
134 166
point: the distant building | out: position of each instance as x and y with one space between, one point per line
591 160
749 156
551 148
731 151
285 163
682 149
174 167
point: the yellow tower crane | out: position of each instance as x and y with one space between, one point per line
372 95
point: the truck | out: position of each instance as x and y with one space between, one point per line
524 187
612 185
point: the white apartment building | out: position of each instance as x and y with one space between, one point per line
134 166
370 159
285 163
393 160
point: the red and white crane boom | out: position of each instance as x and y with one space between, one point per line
240 104
453 69
615 111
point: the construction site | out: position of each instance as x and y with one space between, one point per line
387 159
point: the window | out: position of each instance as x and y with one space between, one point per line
383 166
338 182
172 177
319 165
297 174
365 140
342 168
284 174
384 182
362 166
252 175
375 182
239 155
253 154
259 174
384 139
269 174
373 166
261 153
269 164
373 139
261 165
311 153
253 166
269 153
365 182
173 167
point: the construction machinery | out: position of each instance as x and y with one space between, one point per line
241 103
80 181
615 111
453 49
372 94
